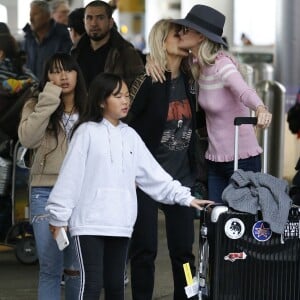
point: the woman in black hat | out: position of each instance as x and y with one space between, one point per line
224 95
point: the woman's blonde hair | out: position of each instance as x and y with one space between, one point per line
157 37
207 53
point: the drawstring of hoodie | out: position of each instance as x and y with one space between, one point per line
110 147
123 169
109 144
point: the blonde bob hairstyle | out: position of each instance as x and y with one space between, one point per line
157 37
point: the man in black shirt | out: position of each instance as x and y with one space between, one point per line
103 49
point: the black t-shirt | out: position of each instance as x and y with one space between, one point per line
172 154
92 62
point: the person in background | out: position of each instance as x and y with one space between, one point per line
14 76
45 127
43 37
60 10
15 79
245 40
223 95
164 115
76 25
103 49
95 194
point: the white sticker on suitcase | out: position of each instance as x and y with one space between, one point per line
234 228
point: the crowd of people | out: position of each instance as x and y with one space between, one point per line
113 141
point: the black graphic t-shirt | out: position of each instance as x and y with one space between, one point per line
172 153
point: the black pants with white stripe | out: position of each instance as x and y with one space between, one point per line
102 262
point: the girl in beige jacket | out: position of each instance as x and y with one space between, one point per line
45 127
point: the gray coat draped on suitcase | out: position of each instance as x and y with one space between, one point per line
251 192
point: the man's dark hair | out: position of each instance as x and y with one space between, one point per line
75 20
99 3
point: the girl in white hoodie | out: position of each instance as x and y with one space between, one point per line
95 194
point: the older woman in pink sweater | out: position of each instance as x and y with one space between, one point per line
224 95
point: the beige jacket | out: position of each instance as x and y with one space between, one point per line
33 134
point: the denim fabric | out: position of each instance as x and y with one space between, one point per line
52 261
219 174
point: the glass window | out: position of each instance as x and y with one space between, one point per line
256 20
3 13
23 13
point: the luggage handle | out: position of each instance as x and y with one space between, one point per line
249 120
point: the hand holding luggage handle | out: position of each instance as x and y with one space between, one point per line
249 120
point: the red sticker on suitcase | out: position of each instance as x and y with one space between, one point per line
234 228
261 231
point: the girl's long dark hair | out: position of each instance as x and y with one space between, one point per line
68 63
100 89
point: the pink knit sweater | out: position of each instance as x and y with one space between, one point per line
224 95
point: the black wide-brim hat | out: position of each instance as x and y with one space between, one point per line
205 20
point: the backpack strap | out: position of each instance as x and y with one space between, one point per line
136 86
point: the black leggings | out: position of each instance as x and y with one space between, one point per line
102 262
143 246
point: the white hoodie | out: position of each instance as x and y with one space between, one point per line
95 193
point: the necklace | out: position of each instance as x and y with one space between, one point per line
70 111
67 118
68 121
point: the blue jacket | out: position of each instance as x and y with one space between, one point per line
57 40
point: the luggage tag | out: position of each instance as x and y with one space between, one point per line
192 287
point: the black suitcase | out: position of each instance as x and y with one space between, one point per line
242 259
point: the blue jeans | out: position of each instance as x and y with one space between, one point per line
219 174
53 262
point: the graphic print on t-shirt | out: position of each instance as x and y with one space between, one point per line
177 133
172 153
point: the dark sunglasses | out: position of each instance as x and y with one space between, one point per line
186 30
